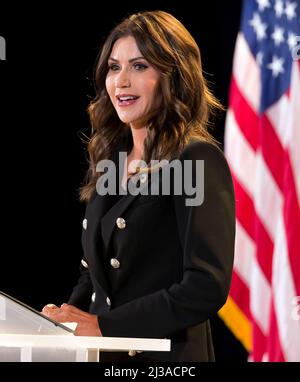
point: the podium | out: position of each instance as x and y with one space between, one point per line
70 348
26 335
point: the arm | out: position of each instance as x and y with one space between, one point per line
207 236
81 294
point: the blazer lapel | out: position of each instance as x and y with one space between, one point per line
108 222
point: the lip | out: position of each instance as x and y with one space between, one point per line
126 103
125 95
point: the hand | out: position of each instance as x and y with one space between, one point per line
87 324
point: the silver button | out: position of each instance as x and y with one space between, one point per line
108 302
115 263
84 224
132 353
93 297
121 223
84 263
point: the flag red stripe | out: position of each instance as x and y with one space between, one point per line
245 116
240 293
275 353
245 213
259 343
245 210
273 152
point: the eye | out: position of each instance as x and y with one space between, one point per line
140 66
113 67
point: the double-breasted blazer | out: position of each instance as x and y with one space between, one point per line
153 267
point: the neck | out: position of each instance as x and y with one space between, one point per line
138 136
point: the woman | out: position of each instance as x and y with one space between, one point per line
154 265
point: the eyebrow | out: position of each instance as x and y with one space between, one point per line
131 60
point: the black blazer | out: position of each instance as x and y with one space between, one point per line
165 269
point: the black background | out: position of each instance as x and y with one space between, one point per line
46 84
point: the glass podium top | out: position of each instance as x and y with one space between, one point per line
19 318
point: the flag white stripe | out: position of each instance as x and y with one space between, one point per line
248 269
260 297
242 158
267 197
280 119
246 249
246 72
283 297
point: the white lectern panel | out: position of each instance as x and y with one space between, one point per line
19 318
28 336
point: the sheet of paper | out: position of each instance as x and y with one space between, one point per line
70 325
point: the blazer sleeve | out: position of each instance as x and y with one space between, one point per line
207 234
81 294
82 291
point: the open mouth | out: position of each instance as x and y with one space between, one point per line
126 100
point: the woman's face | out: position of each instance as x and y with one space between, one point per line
131 82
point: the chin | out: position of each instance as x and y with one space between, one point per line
128 121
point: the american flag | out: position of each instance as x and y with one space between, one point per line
262 145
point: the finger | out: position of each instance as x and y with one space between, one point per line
69 307
73 310
49 309
51 306
46 311
59 316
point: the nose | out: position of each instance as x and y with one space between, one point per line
122 79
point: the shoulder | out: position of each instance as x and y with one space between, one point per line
214 161
202 150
